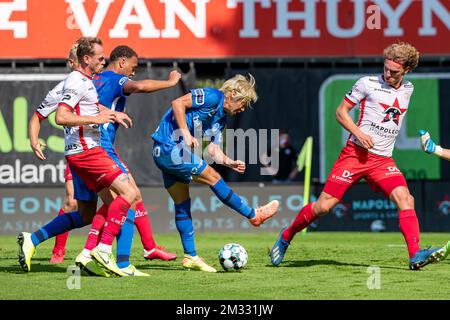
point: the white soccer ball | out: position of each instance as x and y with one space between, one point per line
233 256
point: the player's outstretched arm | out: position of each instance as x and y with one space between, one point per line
65 117
147 86
429 146
343 117
220 157
34 126
120 117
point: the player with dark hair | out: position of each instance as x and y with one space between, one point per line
383 102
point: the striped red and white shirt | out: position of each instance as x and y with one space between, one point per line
382 110
80 96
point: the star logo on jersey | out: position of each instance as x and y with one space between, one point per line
393 112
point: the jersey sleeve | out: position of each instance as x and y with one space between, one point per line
357 93
120 84
205 98
74 89
48 105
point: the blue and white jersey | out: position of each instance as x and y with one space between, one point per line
109 87
206 114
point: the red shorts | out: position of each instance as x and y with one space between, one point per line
356 163
68 175
95 168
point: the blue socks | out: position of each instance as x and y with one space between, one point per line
125 241
231 199
183 221
59 225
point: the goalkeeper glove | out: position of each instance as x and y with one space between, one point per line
428 145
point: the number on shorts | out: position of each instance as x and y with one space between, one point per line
156 152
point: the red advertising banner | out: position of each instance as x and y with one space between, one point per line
225 28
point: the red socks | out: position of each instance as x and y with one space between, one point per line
304 218
409 225
96 228
61 239
142 222
117 214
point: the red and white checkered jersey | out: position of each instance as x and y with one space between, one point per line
80 96
50 102
382 109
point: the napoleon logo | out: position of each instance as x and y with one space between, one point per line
393 112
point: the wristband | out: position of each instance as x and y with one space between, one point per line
438 151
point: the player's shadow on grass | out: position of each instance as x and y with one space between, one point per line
157 267
310 263
35 268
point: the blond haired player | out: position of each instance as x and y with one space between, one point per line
202 112
383 101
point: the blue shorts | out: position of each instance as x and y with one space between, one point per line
177 165
82 192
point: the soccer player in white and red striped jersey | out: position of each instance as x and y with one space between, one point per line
383 102
79 112
46 108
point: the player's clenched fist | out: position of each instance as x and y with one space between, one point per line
238 166
174 77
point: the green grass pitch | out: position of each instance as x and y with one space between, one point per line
317 266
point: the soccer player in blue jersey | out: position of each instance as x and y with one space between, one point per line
202 112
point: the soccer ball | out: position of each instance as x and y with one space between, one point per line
233 256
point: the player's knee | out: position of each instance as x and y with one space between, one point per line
138 195
404 200
129 195
70 205
321 208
